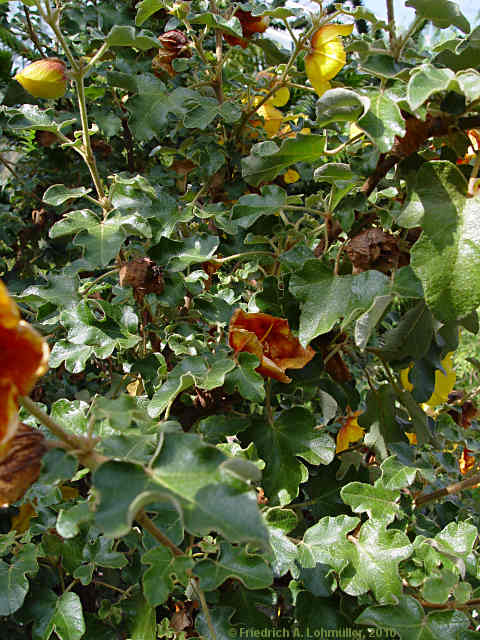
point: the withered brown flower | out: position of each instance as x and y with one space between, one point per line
270 339
250 24
174 44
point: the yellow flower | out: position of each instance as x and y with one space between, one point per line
444 382
412 438
350 432
23 359
327 55
290 176
44 78
281 96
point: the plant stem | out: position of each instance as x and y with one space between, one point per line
99 279
401 43
268 402
474 174
206 612
52 18
105 46
79 445
391 25
31 32
152 528
218 82
247 254
87 147
456 487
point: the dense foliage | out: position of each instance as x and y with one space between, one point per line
250 236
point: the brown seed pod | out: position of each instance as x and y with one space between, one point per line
174 44
22 463
143 275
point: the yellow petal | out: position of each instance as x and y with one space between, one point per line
349 433
290 176
272 118
9 313
407 385
328 60
280 97
412 438
444 382
330 32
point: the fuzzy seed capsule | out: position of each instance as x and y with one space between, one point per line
44 78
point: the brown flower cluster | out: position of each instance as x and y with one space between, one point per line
174 44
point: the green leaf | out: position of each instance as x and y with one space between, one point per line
125 36
427 81
340 105
234 562
258 167
168 392
446 257
68 621
190 474
396 475
144 622
222 626
443 13
367 322
409 620
75 356
202 110
73 222
157 579
69 520
244 377
13 579
383 122
379 503
29 116
326 298
253 205
280 522
469 83
375 559
380 417
411 337
457 539
438 586
147 8
58 194
231 26
292 434
406 284
101 239
384 66
179 255
149 109
326 542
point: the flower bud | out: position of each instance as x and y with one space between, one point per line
44 78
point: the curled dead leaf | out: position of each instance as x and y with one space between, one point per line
22 463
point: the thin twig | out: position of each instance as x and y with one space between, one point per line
31 32
152 528
456 487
